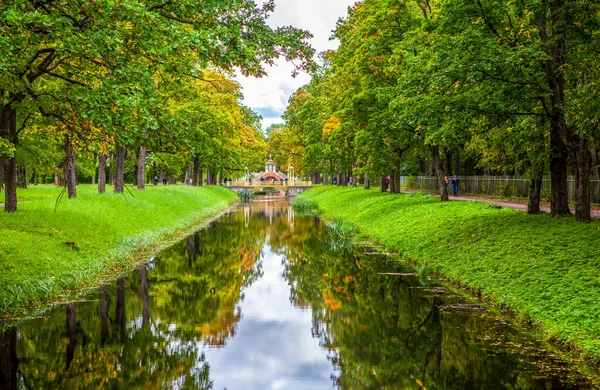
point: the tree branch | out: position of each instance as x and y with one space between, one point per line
23 124
68 80
35 57
508 113
160 6
43 66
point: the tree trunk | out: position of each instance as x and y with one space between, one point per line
71 333
26 175
397 181
448 162
101 173
468 166
200 176
366 184
383 186
582 179
144 284
2 173
435 154
103 307
535 193
8 131
188 174
120 317
111 171
196 171
36 178
141 169
457 163
392 182
208 176
595 174
555 46
9 361
120 170
422 166
69 168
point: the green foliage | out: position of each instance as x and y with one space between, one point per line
6 148
246 196
411 182
544 268
91 239
120 73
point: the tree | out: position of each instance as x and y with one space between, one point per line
59 51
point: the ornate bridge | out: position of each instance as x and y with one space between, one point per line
289 187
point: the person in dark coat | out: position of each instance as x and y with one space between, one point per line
455 183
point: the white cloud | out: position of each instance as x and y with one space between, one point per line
273 91
274 347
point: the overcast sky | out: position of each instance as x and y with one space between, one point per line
269 95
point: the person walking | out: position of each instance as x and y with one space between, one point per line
155 180
387 183
447 184
455 183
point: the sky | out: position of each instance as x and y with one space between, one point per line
273 347
268 95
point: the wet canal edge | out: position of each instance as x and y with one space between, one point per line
120 264
568 353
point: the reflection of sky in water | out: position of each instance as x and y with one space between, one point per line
273 347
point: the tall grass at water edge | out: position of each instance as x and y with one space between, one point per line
304 207
545 269
340 236
48 254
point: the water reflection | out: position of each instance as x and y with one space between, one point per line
258 302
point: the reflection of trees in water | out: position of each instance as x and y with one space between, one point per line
142 331
380 331
9 363
87 346
389 331
198 284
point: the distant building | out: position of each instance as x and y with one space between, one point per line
270 173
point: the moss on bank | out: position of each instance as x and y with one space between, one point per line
48 256
546 269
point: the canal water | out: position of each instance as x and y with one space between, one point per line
259 300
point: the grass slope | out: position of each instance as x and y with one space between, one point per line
546 269
106 235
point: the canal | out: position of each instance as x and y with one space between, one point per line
261 300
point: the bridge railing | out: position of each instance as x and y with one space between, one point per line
255 184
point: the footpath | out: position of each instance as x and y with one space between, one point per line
511 204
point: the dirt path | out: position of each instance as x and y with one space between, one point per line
512 204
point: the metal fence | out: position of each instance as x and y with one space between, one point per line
503 186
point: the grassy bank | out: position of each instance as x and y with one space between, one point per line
546 269
47 256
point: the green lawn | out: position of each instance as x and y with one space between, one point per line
91 239
546 269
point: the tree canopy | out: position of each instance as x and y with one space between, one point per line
457 87
106 74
